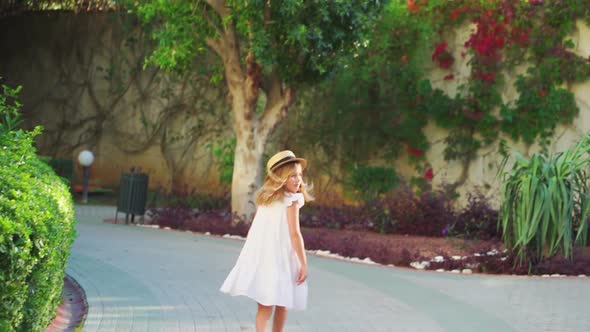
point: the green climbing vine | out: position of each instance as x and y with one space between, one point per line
508 34
380 105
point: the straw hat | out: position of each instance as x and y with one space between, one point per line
283 157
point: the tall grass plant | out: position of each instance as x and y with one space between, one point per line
546 203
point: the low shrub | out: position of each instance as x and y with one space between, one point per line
187 198
36 229
197 212
219 223
333 214
174 217
477 220
427 215
399 212
367 183
214 222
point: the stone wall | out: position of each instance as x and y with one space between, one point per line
83 81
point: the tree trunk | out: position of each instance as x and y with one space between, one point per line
252 130
246 176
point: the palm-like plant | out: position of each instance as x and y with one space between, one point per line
546 202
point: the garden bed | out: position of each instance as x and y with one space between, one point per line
395 249
413 251
438 253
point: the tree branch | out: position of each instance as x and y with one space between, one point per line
267 12
216 27
277 103
219 7
232 62
167 114
215 46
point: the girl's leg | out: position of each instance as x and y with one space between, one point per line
279 319
262 317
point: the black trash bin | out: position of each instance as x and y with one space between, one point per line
132 194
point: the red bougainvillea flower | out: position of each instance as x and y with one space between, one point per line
491 35
449 77
523 39
446 63
455 13
439 49
429 174
414 151
412 6
520 36
489 77
442 56
542 93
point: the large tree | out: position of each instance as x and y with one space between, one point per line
264 48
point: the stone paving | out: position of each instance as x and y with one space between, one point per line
144 279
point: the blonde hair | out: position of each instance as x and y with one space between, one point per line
273 188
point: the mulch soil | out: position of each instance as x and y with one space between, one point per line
392 248
401 250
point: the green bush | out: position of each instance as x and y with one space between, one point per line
546 204
36 228
369 182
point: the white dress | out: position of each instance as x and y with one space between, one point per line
267 268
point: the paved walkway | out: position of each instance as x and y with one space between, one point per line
142 279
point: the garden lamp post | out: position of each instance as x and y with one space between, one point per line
85 158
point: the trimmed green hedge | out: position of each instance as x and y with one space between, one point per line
36 234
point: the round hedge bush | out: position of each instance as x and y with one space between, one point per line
37 229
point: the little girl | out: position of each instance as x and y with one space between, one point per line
272 266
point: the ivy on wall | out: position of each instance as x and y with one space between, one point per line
379 106
508 34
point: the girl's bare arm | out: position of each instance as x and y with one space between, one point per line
297 239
